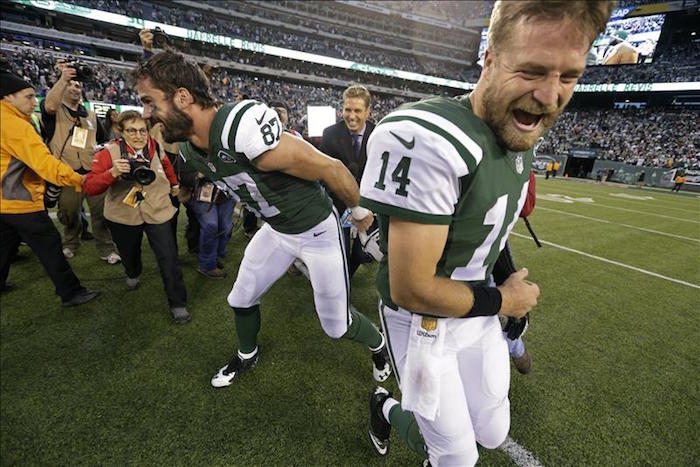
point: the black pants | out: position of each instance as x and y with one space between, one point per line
191 229
160 237
173 221
38 231
354 253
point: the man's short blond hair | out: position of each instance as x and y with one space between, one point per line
357 90
589 16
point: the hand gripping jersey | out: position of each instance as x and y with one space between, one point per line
240 133
435 162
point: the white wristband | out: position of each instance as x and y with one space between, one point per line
358 213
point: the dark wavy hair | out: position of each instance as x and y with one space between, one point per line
169 71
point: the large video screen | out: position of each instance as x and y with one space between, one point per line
625 41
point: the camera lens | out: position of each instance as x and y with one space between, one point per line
144 175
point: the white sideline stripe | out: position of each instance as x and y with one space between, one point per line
644 212
621 224
616 263
647 202
521 456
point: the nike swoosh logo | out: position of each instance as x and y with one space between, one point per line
406 144
319 233
261 118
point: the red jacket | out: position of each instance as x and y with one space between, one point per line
100 178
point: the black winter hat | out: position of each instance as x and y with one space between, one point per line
10 84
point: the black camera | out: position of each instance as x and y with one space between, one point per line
83 72
160 38
140 172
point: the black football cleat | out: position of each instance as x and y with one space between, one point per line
233 369
379 428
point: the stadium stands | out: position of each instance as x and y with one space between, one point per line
343 47
111 85
634 136
344 30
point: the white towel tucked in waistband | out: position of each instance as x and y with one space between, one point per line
420 381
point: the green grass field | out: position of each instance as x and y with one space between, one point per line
614 382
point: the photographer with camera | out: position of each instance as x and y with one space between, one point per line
137 179
71 132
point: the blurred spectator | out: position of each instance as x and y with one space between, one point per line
282 110
678 182
136 203
111 125
25 162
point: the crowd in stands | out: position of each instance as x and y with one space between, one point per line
679 63
636 26
354 20
455 12
621 135
351 26
227 86
631 3
635 136
255 32
111 86
38 67
235 56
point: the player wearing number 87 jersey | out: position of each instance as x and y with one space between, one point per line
447 179
242 148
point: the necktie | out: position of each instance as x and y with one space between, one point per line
356 143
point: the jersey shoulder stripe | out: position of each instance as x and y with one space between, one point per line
449 119
233 113
434 139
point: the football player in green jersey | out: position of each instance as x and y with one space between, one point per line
447 179
241 146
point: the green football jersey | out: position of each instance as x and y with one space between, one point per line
240 133
435 162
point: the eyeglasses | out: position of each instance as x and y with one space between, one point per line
133 131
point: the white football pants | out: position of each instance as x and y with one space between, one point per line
269 255
473 400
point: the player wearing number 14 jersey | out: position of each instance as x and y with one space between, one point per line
243 149
448 179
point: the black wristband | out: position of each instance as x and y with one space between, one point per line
487 301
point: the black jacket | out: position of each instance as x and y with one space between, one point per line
337 143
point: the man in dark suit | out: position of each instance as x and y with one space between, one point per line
347 142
